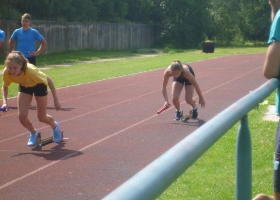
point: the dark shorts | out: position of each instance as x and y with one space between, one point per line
32 60
182 79
277 161
38 90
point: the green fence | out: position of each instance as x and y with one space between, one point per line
154 179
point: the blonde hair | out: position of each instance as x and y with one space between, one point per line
18 58
176 65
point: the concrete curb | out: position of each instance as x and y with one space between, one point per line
271 115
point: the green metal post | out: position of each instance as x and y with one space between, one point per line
243 162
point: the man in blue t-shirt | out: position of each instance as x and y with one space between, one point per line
271 70
25 38
2 39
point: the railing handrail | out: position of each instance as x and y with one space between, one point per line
155 178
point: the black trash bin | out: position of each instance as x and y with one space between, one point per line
208 46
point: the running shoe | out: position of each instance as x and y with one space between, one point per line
178 114
32 139
194 112
56 133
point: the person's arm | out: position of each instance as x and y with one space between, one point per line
272 61
276 195
166 77
5 96
11 44
1 47
188 75
2 39
53 90
40 49
264 197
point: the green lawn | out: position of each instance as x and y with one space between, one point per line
213 175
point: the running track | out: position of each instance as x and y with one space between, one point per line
114 130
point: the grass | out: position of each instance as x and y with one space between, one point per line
213 175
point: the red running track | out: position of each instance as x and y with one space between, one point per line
114 130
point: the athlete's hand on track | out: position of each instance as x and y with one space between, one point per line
57 105
202 102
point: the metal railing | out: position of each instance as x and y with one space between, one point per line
154 179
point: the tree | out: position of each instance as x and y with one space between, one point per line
254 20
240 20
185 22
144 11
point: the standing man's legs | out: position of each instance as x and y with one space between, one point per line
32 60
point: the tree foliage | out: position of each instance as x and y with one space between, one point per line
184 23
240 19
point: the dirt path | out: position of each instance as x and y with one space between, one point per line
94 61
91 61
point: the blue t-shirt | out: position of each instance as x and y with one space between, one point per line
26 40
2 35
275 29
275 36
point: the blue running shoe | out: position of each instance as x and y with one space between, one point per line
56 133
194 112
178 114
32 139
